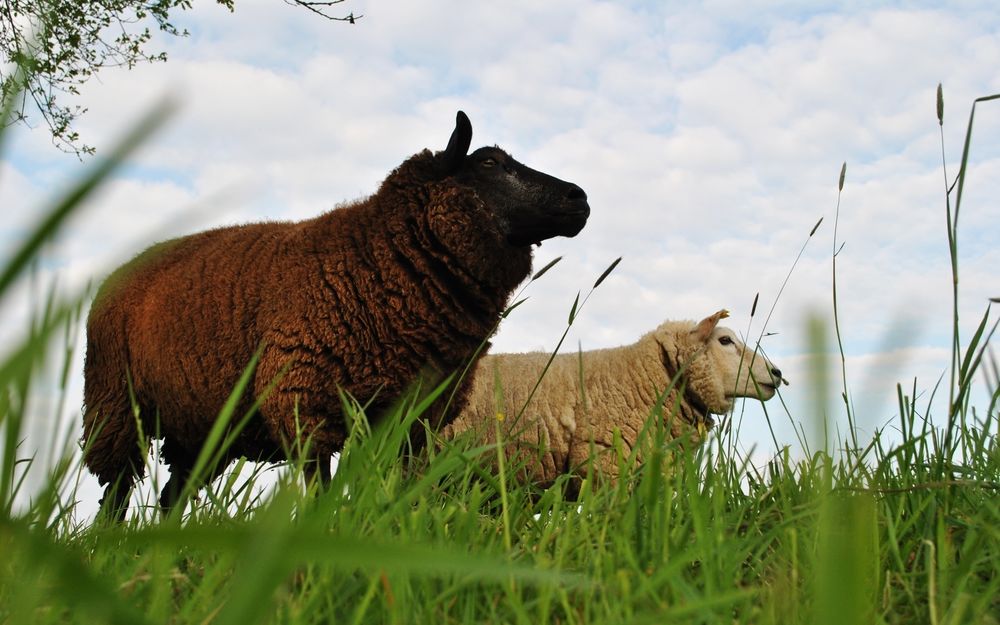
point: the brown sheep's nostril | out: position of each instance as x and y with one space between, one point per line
576 193
776 372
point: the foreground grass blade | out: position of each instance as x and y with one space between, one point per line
269 550
74 584
16 371
71 200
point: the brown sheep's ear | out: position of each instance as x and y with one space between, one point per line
703 331
458 145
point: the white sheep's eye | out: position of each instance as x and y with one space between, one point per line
725 340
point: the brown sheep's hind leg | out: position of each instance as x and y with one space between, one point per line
320 467
119 478
114 503
181 464
113 451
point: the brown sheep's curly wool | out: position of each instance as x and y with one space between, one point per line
362 299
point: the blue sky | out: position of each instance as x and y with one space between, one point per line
709 138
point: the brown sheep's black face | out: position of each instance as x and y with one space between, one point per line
531 206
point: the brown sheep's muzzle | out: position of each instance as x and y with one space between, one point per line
564 217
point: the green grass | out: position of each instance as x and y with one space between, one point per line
895 529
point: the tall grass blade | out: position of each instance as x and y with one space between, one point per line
940 105
836 313
784 282
816 227
511 308
541 272
965 154
607 272
952 224
973 359
572 311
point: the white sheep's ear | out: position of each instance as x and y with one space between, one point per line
703 331
458 145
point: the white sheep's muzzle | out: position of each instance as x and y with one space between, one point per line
746 372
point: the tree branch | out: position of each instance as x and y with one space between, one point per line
319 9
61 44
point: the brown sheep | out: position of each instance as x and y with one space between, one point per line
620 388
363 299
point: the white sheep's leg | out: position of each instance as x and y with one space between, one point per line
603 464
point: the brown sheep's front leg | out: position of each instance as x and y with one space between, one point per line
319 469
114 502
304 430
301 419
171 493
181 463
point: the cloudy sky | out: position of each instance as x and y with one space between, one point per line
709 138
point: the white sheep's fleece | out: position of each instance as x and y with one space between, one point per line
620 388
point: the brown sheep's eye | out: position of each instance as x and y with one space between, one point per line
725 340
489 163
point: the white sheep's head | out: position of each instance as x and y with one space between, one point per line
718 366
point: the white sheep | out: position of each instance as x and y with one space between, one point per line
584 398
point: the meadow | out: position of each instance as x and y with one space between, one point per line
902 526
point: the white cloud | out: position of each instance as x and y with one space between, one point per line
15 188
